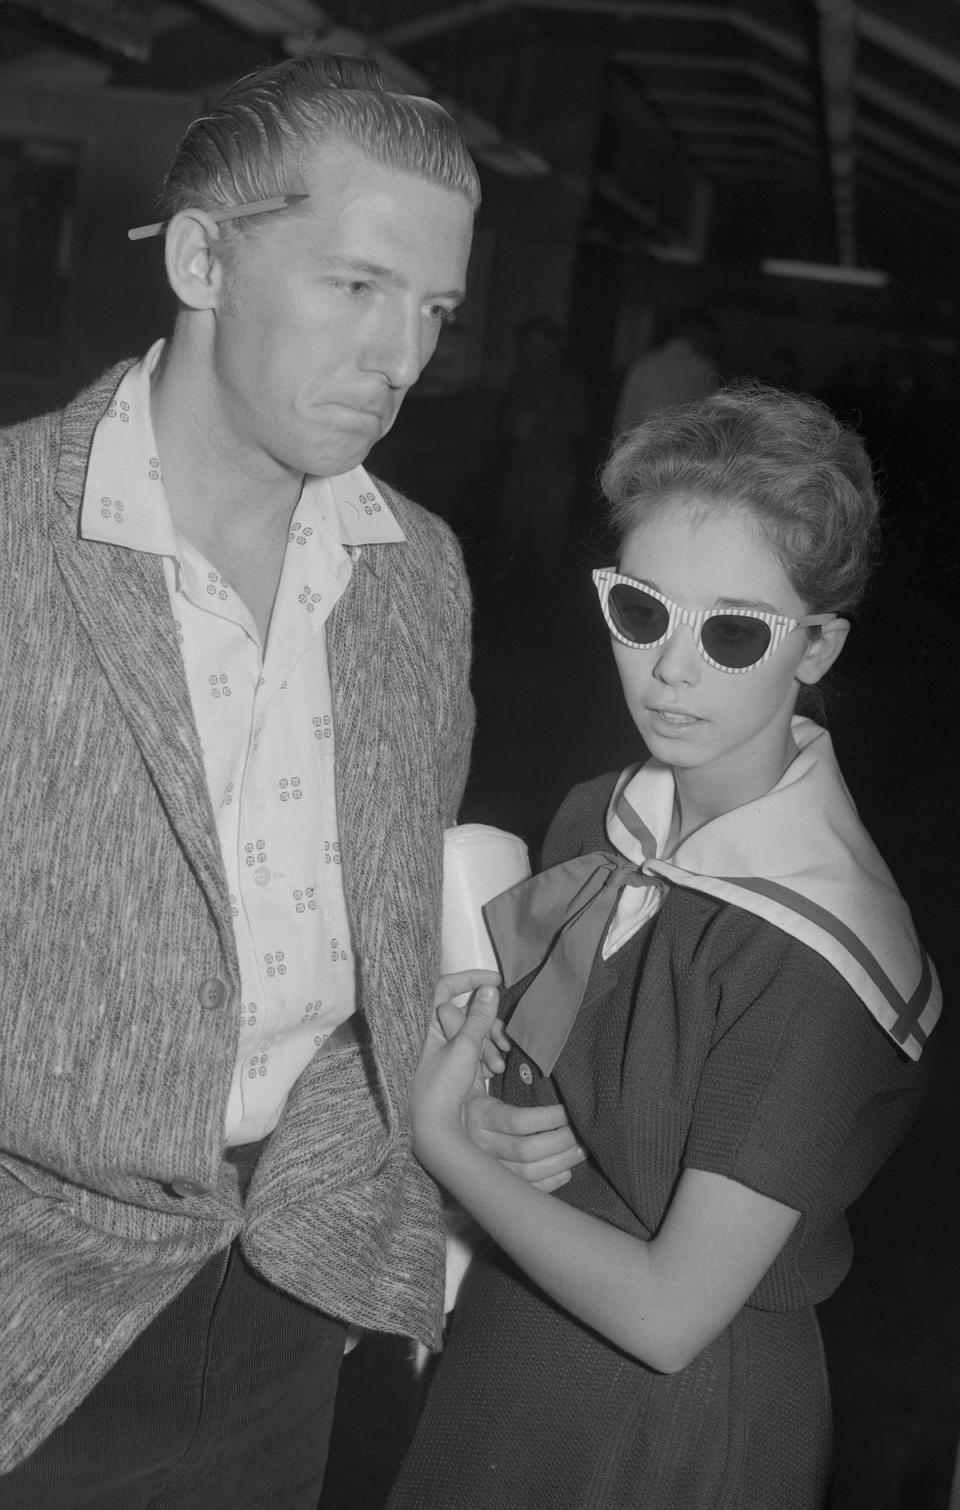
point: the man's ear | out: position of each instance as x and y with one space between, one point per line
822 651
194 259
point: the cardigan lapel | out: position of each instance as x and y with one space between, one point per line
387 803
121 599
358 648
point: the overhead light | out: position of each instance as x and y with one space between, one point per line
824 272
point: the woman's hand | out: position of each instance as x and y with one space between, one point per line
452 1064
450 1000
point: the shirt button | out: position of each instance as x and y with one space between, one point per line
212 995
183 1187
525 1073
262 875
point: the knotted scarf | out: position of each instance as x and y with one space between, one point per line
798 857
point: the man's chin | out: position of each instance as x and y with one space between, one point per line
335 461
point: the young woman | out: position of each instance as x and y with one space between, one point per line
719 979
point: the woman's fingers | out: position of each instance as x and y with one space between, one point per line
451 1016
480 1015
499 1035
459 982
493 1061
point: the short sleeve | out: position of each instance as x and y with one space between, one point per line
802 1095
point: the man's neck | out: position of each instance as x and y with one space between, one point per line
215 491
238 518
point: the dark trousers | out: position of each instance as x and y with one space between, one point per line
223 1403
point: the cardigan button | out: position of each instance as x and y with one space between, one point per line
525 1073
212 995
184 1187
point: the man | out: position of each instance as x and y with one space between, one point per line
236 722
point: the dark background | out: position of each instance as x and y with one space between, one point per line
637 159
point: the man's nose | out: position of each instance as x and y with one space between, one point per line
396 349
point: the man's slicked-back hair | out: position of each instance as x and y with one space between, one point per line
249 145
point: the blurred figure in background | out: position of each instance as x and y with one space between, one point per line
782 368
680 367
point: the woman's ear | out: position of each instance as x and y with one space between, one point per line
822 651
194 261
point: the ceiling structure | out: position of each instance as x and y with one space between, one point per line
819 131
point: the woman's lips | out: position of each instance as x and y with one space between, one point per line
674 718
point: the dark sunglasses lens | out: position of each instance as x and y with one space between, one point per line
735 642
635 615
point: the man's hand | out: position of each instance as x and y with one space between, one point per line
536 1142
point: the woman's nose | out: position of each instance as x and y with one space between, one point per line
678 659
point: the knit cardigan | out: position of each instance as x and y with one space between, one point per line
114 1064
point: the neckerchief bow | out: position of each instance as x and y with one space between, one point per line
557 920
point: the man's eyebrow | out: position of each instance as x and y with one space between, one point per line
387 274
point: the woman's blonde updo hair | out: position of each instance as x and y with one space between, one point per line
782 458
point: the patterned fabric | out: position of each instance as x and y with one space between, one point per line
265 721
115 1061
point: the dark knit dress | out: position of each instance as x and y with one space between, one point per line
710 1041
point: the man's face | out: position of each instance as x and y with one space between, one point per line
330 314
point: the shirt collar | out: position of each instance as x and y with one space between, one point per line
800 858
124 502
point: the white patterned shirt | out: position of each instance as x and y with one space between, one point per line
265 721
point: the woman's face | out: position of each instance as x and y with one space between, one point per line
726 735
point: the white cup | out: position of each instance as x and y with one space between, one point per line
478 863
